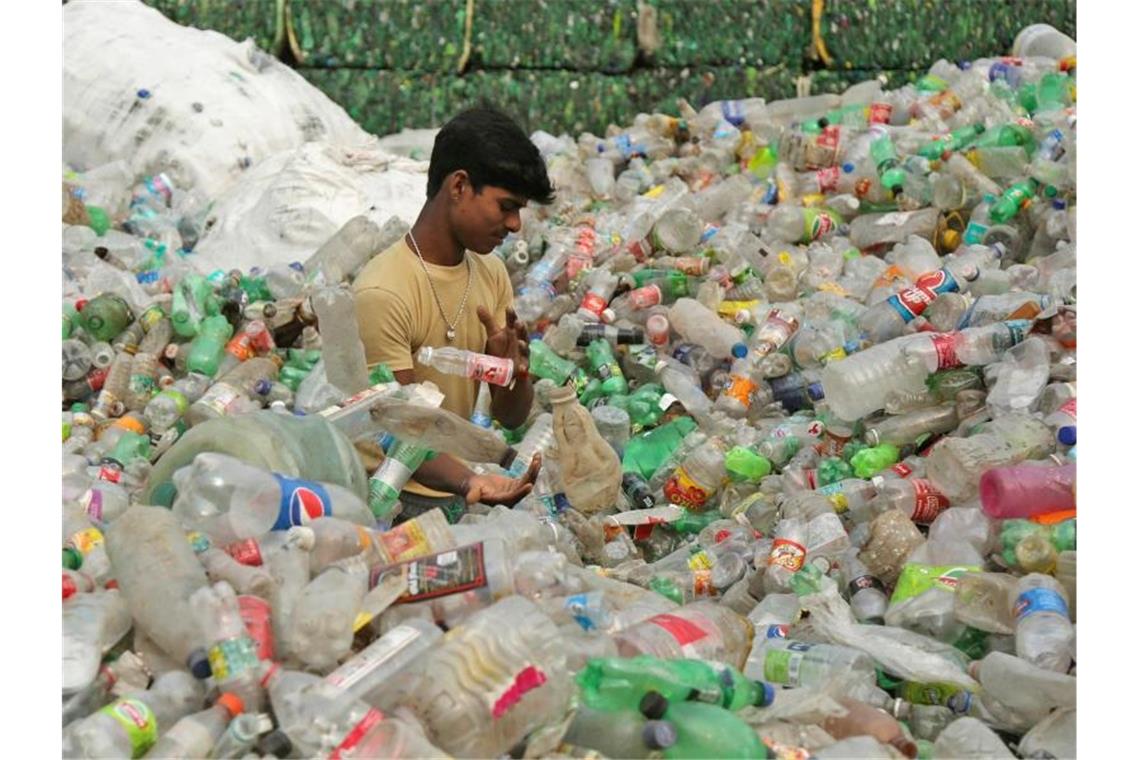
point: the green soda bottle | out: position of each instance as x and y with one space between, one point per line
71 319
646 453
255 288
886 160
746 466
401 459
642 406
955 140
620 682
545 363
193 301
206 349
602 361
1006 135
105 316
691 523
705 730
129 447
871 460
1016 197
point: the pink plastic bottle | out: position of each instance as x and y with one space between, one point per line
1025 490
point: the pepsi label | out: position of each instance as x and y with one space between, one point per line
302 501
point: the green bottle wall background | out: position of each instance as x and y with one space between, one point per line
578 65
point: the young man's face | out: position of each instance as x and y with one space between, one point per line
482 219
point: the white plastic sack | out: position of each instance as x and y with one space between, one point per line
192 103
286 207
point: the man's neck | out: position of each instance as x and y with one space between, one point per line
436 243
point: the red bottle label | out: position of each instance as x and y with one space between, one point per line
255 613
787 554
880 113
246 552
828 179
594 304
929 502
945 346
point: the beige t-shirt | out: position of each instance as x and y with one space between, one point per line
397 315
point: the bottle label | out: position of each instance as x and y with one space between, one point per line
692 265
490 369
138 721
232 656
902 470
141 385
594 303
526 680
376 654
946 348
828 179
220 397
405 541
782 666
702 583
643 298
1039 600
817 223
181 403
667 400
1069 408
974 233
700 561
685 632
240 347
369 722
913 301
864 582
889 277
787 554
246 552
302 501
448 572
948 695
740 388
92 503
86 540
256 614
918 579
929 502
880 113
681 489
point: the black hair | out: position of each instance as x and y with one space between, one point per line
493 150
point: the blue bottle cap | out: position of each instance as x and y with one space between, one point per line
815 391
1059 204
659 734
262 387
768 694
1067 436
848 167
143 93
740 350
199 664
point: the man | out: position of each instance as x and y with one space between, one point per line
438 287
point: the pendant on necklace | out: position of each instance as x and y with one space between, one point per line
450 334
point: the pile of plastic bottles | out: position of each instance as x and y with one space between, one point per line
806 397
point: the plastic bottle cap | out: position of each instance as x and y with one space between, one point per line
951 239
275 743
143 93
608 315
653 705
658 734
262 387
199 664
1059 204
72 559
848 167
767 694
815 391
1067 436
1050 191
740 350
232 702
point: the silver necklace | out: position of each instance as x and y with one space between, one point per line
466 291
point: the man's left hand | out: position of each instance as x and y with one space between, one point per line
508 341
497 489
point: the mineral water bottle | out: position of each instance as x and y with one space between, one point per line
859 384
701 630
865 592
1019 687
236 392
474 366
92 624
323 618
788 662
358 240
194 735
167 407
129 726
384 669
230 652
955 465
495 679
157 572
695 323
341 349
1045 637
600 285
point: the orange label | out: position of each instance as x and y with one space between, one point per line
890 275
787 554
681 489
741 389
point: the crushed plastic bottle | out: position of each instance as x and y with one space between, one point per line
806 410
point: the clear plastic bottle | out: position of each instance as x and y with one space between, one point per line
801 664
859 384
235 392
92 624
341 348
230 652
168 405
194 735
697 324
1045 636
129 726
865 592
955 465
241 735
469 364
702 630
324 615
494 680
591 470
698 477
382 671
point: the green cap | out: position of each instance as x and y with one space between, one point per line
100 221
72 559
744 464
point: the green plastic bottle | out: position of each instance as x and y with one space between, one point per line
602 361
545 363
692 523
955 140
99 219
871 460
614 683
746 466
193 301
642 406
705 730
1015 197
206 349
886 160
105 316
645 453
